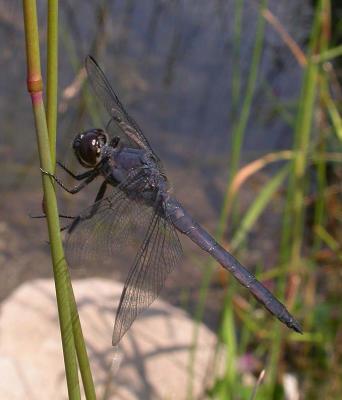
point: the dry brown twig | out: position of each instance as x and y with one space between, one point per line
72 90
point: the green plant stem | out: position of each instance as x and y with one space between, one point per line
51 116
293 220
303 129
52 76
239 128
228 337
329 54
59 265
238 134
81 350
333 113
58 260
236 70
321 166
258 206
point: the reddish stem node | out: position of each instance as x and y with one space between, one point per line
35 84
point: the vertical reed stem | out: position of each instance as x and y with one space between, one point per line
51 116
52 76
35 88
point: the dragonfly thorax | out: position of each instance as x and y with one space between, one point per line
123 163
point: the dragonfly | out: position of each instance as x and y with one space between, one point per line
140 201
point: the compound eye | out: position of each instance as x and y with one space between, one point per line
87 147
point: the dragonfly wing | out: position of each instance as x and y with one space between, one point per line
122 222
105 93
157 256
117 222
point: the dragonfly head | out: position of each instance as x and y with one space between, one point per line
87 147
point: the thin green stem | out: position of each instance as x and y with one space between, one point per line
239 128
303 130
228 337
329 54
52 90
258 206
81 350
238 134
236 72
52 76
59 265
58 260
321 166
293 220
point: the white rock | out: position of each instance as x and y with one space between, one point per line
155 350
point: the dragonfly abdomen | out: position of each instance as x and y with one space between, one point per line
185 224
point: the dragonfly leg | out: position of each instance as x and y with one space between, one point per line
60 216
79 177
44 216
92 211
76 189
98 197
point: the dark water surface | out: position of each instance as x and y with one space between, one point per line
172 64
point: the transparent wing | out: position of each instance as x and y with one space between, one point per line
123 222
117 222
157 256
105 93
